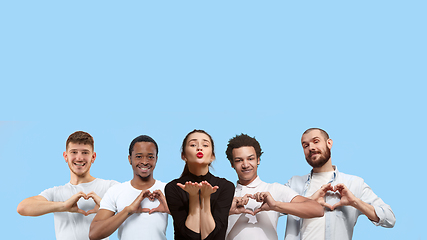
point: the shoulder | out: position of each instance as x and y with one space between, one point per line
222 181
159 185
119 187
298 179
106 182
172 184
348 178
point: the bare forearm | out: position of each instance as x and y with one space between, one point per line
305 209
36 206
103 227
366 209
193 219
207 222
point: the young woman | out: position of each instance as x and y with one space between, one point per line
198 201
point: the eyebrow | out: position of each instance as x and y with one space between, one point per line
197 139
252 155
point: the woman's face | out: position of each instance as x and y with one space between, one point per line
198 149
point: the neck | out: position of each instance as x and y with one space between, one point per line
327 167
247 182
75 179
198 170
142 183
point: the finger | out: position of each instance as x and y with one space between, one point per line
257 210
181 186
249 211
328 206
82 212
147 210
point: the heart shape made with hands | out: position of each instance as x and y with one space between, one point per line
241 205
340 194
152 196
76 201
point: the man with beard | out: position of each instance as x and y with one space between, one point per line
137 207
344 197
257 205
74 203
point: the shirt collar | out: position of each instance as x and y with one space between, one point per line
333 178
255 183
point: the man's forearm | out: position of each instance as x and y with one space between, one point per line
106 225
366 209
38 205
304 209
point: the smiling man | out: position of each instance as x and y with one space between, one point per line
344 197
75 203
257 205
137 207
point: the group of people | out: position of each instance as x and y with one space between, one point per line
323 204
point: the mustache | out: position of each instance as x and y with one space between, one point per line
314 152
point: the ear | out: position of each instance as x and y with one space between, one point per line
258 161
93 157
329 143
183 157
64 154
130 160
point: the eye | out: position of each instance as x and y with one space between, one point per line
192 145
150 157
205 145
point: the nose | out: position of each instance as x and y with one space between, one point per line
245 164
199 148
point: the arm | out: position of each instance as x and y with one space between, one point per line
105 222
348 199
39 205
178 204
221 202
207 222
193 219
299 206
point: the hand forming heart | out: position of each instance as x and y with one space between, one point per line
238 205
136 207
70 204
163 206
347 197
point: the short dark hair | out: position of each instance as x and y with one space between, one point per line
80 137
142 138
323 132
239 141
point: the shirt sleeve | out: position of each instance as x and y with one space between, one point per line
284 193
221 209
178 207
108 201
383 211
48 194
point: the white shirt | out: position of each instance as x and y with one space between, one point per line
264 224
139 225
314 228
75 226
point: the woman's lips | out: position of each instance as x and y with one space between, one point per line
199 154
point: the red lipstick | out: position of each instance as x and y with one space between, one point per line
199 154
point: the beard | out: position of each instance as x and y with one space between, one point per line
323 158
